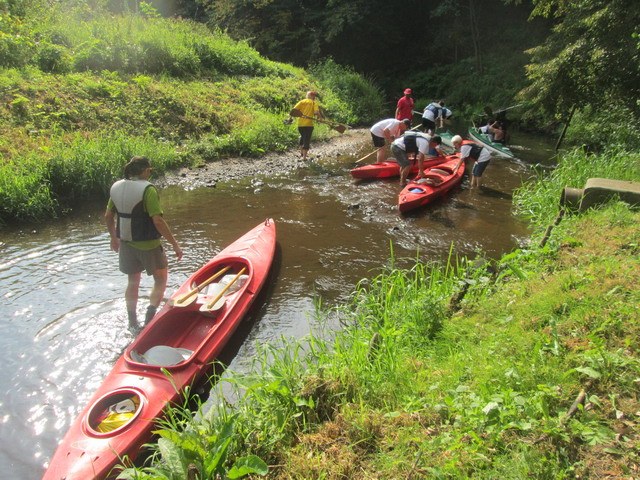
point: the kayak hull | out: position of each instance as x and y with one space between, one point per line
390 168
180 345
494 147
438 180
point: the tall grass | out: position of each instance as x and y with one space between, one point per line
405 386
539 200
194 91
73 168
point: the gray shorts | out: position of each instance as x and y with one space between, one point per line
400 155
133 260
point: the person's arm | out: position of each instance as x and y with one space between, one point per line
420 164
462 158
110 221
165 231
387 134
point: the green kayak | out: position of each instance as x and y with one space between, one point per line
494 147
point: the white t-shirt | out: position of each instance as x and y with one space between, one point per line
421 142
390 123
465 151
429 114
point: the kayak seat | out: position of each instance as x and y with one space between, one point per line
433 180
441 171
162 356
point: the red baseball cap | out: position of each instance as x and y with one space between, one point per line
407 91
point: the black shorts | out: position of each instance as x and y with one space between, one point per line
305 137
428 124
377 141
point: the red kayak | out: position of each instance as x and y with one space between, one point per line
390 168
437 181
185 336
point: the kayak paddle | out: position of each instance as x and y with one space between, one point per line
335 125
188 298
212 306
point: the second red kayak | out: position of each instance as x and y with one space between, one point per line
390 168
438 180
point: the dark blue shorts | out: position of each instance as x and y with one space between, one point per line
478 168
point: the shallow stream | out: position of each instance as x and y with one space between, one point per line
63 313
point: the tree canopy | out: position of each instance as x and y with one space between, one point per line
590 58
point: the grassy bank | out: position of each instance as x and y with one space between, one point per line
525 367
81 91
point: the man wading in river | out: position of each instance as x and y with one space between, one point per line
136 236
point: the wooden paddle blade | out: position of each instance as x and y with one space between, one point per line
189 297
184 300
296 113
213 304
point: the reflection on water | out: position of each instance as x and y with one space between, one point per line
64 320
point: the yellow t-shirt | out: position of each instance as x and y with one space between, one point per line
309 108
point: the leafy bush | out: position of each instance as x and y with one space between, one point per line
351 98
607 127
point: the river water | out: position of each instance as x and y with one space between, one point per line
63 314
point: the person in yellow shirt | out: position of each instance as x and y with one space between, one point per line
309 108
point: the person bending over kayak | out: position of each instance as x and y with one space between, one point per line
136 235
417 144
474 151
434 116
389 130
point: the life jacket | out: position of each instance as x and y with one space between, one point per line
435 108
475 149
134 224
410 142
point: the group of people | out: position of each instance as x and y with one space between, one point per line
407 143
134 216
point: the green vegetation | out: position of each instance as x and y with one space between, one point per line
82 91
525 367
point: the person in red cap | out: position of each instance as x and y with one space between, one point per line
310 109
405 106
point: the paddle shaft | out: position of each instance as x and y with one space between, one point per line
369 154
179 301
219 296
297 113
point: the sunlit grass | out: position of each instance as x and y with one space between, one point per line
416 385
539 200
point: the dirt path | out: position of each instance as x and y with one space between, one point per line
227 169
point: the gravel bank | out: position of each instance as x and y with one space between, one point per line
224 170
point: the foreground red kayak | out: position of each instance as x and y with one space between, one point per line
183 339
438 180
390 168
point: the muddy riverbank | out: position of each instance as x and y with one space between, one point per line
211 173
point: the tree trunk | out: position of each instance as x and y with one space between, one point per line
475 35
564 129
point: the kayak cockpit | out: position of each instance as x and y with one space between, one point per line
114 412
180 331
